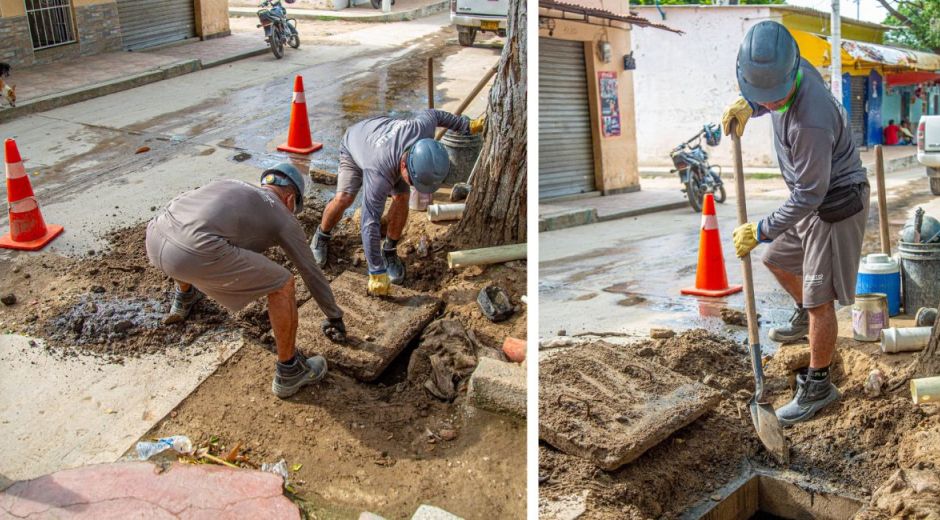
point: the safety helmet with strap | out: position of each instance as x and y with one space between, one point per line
285 174
427 164
768 62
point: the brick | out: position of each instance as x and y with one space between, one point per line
498 387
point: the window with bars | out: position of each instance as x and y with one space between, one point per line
50 22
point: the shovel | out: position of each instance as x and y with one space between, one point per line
461 190
762 413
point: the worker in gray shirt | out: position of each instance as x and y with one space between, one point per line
210 240
816 235
386 156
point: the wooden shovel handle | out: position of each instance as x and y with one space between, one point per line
749 308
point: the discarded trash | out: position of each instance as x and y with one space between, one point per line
423 247
926 317
278 468
179 443
874 383
494 303
8 299
869 316
143 149
514 349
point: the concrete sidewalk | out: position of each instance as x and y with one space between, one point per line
44 87
401 11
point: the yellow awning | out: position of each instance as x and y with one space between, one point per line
863 55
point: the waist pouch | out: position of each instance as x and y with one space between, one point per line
841 203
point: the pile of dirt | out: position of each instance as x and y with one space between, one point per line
854 445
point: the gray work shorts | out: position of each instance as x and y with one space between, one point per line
349 177
230 275
825 254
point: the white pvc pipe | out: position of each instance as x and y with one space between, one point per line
911 339
438 212
925 390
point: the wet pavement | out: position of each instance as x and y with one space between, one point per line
625 275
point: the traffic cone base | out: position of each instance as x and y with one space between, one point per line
293 149
52 231
713 294
710 277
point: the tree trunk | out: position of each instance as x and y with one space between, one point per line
928 364
496 207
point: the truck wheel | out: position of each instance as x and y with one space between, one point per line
935 185
466 35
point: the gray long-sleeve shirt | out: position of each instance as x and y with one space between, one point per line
376 146
815 149
248 217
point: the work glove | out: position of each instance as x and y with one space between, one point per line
334 329
476 125
739 111
746 238
379 285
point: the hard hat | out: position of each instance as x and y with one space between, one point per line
427 165
285 174
768 61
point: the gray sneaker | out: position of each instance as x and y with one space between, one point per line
289 379
394 265
811 397
795 330
183 303
320 245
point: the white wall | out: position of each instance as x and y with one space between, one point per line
683 81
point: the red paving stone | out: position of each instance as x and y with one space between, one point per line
137 490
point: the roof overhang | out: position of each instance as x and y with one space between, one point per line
595 16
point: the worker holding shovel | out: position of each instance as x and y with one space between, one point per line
816 235
210 241
387 156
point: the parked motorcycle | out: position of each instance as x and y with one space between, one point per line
278 28
691 162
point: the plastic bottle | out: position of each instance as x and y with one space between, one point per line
179 443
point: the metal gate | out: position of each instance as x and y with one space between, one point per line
147 23
859 86
50 23
566 153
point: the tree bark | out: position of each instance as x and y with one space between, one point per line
928 364
496 207
895 13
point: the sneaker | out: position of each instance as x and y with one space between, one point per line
394 265
795 330
320 247
811 397
183 303
290 378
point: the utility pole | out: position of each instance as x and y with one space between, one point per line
835 52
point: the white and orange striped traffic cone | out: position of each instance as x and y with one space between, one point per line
28 230
711 278
299 139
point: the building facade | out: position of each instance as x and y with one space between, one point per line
880 82
36 32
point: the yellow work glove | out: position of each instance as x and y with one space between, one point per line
379 285
739 111
745 239
476 125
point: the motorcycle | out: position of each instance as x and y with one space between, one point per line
278 28
691 163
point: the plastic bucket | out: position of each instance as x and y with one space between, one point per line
879 273
462 150
920 274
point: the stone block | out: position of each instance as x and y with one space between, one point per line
499 387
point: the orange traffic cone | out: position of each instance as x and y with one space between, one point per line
711 279
299 139
28 230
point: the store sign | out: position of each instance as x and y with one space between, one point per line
610 106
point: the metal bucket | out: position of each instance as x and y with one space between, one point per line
462 150
920 274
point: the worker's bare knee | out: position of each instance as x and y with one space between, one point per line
823 311
344 200
286 290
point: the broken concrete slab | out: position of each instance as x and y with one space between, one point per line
145 490
567 507
603 403
378 329
499 387
426 512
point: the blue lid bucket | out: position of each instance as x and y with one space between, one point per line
879 273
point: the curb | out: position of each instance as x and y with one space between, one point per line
84 93
313 14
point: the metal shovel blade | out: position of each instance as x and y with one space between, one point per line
769 430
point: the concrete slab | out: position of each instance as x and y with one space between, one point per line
499 387
426 512
62 411
142 490
378 329
608 405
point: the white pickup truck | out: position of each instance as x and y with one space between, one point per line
928 149
471 16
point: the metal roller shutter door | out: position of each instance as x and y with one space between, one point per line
147 23
566 153
859 85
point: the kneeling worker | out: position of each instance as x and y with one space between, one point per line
387 156
212 238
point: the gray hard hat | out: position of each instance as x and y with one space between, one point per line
428 165
768 62
285 174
